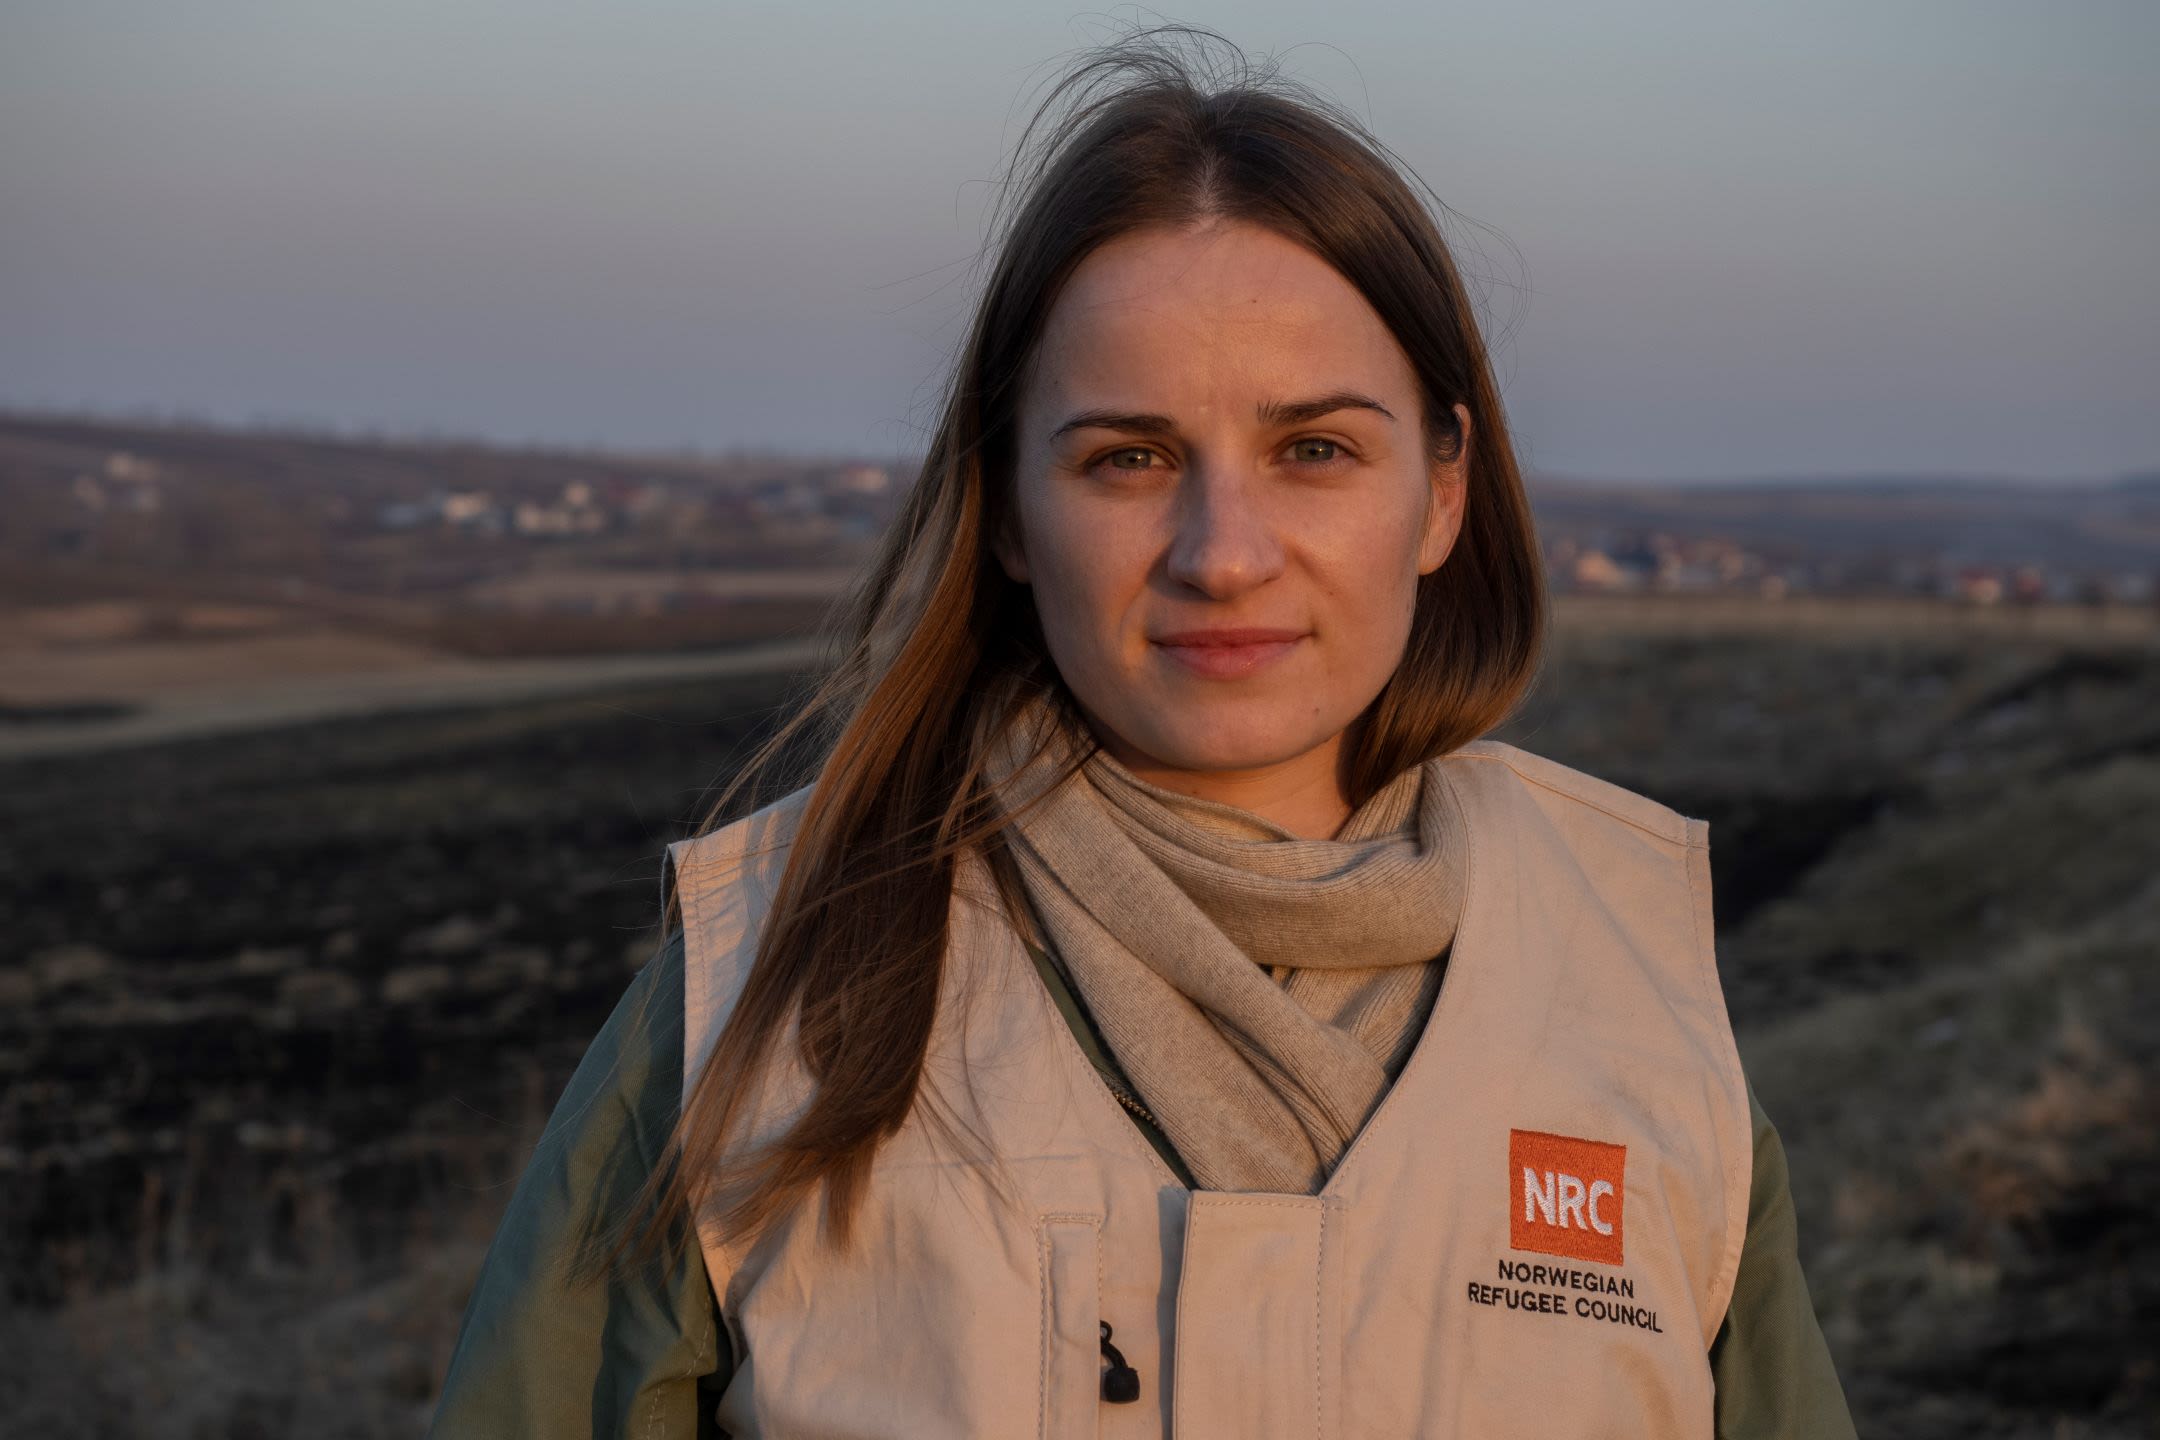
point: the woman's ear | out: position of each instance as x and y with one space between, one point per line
1011 555
1450 493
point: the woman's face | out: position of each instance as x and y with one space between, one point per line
1224 503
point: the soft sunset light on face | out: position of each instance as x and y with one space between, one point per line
1224 501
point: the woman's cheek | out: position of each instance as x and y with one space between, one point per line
1108 586
1082 617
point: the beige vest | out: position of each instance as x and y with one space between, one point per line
1536 1233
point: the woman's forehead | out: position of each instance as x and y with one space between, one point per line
1211 314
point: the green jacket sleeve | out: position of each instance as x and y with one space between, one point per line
644 1356
1774 1376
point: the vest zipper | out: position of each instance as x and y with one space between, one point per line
1131 1103
1069 1006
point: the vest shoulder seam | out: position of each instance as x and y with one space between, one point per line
1630 807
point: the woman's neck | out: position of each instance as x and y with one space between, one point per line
1303 795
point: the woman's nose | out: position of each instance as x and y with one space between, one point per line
1223 545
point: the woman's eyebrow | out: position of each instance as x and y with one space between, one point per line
1117 420
1271 412
1297 412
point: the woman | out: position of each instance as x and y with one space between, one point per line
1161 1011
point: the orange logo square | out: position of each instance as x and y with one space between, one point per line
1564 1195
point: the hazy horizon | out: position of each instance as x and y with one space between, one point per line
1854 241
302 429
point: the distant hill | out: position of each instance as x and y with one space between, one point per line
2061 525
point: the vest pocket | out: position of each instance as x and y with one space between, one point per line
1069 1250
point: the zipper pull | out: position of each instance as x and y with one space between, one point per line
1120 1383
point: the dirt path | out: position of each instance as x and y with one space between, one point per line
186 712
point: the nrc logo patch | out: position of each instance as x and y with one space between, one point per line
1565 1195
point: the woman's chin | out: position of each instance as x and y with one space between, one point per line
1229 735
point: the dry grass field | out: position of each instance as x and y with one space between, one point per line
281 1011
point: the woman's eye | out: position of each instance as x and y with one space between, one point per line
1302 448
1134 453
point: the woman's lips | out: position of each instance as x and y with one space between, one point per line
1228 654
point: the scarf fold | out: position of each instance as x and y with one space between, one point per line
1259 989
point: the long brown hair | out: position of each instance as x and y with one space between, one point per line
935 644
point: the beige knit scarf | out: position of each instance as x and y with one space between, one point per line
1260 990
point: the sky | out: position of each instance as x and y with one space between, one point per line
1708 240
